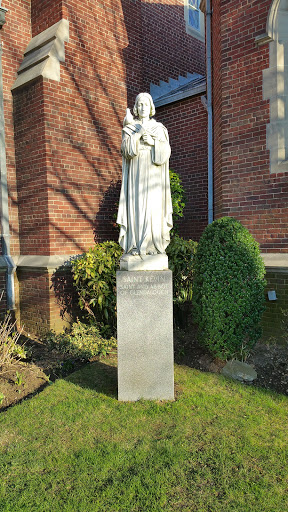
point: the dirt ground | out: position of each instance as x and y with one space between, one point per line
24 379
270 360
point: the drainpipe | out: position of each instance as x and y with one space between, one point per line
4 212
209 109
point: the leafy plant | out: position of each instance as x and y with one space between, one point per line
178 199
94 276
19 379
19 351
10 349
228 289
180 253
82 341
181 258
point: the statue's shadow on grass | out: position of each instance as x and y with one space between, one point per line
97 376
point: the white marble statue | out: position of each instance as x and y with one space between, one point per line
145 207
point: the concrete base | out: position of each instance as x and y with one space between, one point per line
144 262
145 335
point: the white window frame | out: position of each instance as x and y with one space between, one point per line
198 34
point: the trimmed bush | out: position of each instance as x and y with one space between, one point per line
228 289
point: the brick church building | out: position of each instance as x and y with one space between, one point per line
217 71
249 81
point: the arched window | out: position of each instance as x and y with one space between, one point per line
275 85
194 19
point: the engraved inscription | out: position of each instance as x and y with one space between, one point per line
144 286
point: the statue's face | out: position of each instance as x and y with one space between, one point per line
143 107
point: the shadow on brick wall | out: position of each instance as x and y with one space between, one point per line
65 295
105 227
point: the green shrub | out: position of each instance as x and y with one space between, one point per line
94 275
181 258
82 341
178 199
228 289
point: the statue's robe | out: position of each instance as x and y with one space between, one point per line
145 207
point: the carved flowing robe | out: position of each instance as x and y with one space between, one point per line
145 207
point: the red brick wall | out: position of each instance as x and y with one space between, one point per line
244 187
63 299
167 49
44 13
77 129
15 35
34 300
48 300
88 104
31 165
68 134
186 122
77 122
132 51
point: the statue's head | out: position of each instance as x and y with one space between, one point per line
147 97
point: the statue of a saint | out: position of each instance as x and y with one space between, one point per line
145 207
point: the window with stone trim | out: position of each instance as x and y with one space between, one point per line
194 19
275 85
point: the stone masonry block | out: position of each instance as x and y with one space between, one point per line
145 335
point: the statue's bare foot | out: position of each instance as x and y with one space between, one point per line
135 253
152 253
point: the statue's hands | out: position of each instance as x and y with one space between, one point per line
148 139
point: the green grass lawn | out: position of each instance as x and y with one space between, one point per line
221 446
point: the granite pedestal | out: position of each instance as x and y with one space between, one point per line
145 335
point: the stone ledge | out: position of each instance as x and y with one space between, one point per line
36 262
272 261
45 262
43 55
275 261
263 39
